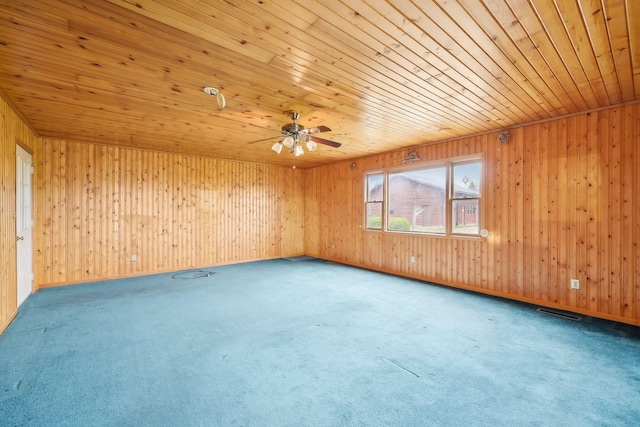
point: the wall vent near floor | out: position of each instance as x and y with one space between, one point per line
558 313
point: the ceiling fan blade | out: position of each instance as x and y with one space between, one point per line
319 129
326 142
263 139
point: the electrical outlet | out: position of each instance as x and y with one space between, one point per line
575 284
134 257
253 247
413 259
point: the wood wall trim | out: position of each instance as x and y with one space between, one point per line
17 112
488 292
6 322
132 275
537 122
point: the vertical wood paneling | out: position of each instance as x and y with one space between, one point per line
565 216
614 212
77 219
90 224
604 212
561 201
583 186
627 209
541 237
100 218
517 206
12 131
555 228
125 208
593 283
498 212
635 219
57 207
102 204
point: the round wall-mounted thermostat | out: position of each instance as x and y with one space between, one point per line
484 233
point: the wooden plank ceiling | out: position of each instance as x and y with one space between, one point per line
381 74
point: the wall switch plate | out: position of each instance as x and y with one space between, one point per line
575 284
134 257
413 259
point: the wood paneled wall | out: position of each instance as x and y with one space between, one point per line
12 131
99 205
561 201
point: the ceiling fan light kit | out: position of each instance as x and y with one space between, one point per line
289 142
296 135
277 147
311 144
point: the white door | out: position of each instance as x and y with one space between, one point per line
24 223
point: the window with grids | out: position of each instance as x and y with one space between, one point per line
374 198
465 198
441 198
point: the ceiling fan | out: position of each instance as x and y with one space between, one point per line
297 135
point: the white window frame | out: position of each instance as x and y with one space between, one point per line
368 202
448 164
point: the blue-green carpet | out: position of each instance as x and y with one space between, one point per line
281 343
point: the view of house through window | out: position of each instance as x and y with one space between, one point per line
419 200
375 194
442 198
465 199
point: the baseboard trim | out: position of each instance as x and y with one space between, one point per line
149 273
533 301
4 325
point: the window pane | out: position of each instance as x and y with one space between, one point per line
375 187
374 215
465 216
374 195
466 180
417 200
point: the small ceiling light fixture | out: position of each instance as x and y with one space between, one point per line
219 96
504 136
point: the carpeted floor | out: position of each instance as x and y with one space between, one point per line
281 343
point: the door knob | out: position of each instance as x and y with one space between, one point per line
19 238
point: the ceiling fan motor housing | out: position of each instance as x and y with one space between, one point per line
293 128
